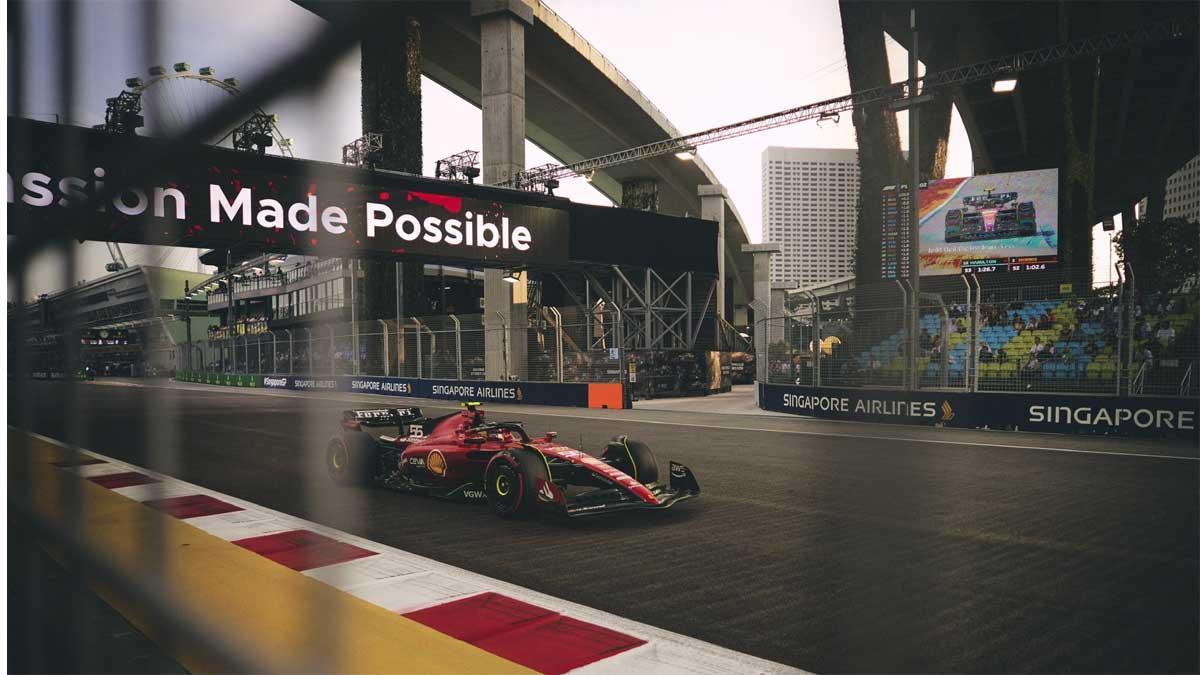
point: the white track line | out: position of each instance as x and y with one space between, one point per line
900 439
401 581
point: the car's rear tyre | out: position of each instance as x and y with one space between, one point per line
632 457
510 482
350 457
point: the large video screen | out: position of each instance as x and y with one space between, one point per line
1003 222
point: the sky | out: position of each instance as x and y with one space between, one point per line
705 67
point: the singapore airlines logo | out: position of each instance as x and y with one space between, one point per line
947 411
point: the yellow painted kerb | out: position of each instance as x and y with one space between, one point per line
294 623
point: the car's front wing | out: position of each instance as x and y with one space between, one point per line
681 486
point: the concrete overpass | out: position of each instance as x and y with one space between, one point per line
574 102
1115 126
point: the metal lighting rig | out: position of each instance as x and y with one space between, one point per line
889 95
123 114
544 177
255 134
459 166
365 151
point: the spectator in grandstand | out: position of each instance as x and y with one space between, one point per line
1067 331
1165 334
991 316
1001 355
936 348
926 340
1036 349
1049 353
1033 365
1019 324
960 326
985 353
1142 330
1147 354
1068 357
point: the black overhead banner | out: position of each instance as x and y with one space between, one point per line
217 198
1059 413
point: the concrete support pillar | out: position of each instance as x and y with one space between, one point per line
763 328
391 106
935 137
1156 200
712 207
879 157
502 26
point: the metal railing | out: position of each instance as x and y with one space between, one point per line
451 347
272 279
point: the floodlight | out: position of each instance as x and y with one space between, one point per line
686 154
1004 86
364 151
458 166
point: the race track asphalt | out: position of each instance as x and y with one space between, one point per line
831 547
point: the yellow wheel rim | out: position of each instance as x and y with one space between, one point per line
338 458
502 486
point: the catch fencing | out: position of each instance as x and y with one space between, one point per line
1023 339
555 345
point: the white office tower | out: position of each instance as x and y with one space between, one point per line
1182 195
810 205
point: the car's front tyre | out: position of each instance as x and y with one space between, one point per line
632 457
510 482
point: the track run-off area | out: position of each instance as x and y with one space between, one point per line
831 547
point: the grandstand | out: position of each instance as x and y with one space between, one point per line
1073 344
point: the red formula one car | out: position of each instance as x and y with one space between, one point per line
461 456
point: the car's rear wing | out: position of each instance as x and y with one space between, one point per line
380 417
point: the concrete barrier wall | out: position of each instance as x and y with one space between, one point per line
1058 413
580 395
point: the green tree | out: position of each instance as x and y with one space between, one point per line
1163 254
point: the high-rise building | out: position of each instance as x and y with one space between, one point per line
809 208
1182 196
